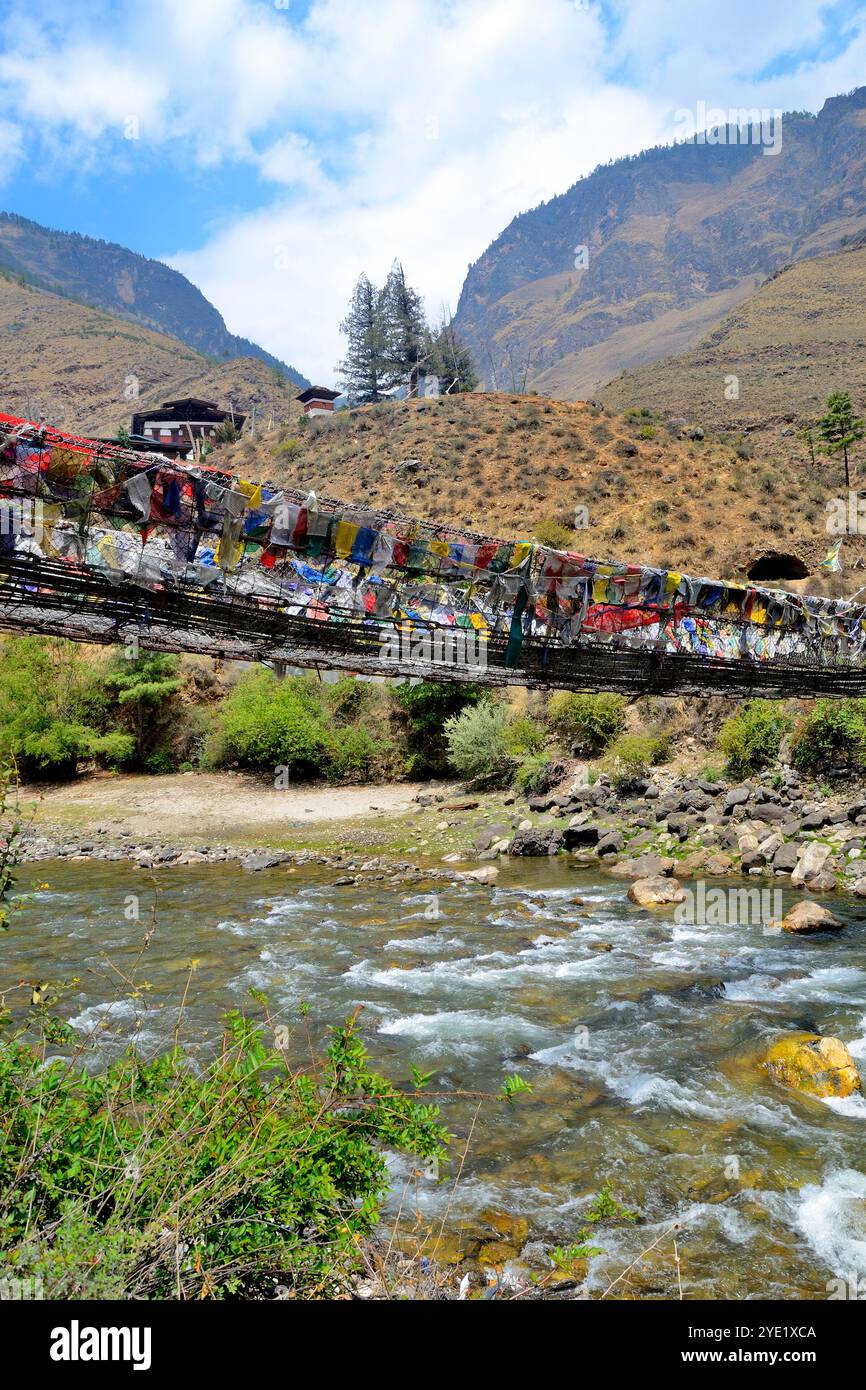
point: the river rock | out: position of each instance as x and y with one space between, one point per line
718 864
786 857
807 1062
611 842
812 859
656 892
580 832
536 841
824 882
645 866
737 796
263 860
808 917
485 875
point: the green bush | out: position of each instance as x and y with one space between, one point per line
631 756
832 734
476 741
51 712
554 534
531 774
750 739
268 723
160 1179
422 711
589 723
522 736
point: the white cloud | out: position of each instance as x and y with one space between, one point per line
410 129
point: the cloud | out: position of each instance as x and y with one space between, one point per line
411 130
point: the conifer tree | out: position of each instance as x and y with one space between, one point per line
363 369
451 360
839 430
407 337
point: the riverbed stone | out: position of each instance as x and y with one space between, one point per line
786 857
644 866
808 917
536 841
824 882
812 859
819 1066
657 891
718 864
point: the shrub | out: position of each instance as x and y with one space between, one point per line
51 712
255 1173
589 722
833 733
522 736
531 774
476 741
629 758
750 739
269 723
553 534
422 711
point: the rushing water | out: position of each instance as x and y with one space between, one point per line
635 1053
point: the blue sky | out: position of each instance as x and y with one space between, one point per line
273 150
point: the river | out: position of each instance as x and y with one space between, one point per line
630 1027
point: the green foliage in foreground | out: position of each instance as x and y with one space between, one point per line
156 1180
833 734
750 739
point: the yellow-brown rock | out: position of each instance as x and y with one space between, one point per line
818 1066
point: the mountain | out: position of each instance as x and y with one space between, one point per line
107 276
676 238
704 501
79 368
781 351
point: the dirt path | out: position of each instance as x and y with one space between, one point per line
207 806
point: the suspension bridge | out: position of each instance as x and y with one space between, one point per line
103 544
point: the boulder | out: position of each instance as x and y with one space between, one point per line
536 841
807 1062
257 861
580 832
656 892
808 917
815 819
737 796
485 875
786 857
611 842
812 859
859 888
719 864
824 882
645 866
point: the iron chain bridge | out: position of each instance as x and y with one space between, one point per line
103 544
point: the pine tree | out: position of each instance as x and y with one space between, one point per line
363 369
407 337
451 360
839 430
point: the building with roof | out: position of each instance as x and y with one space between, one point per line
173 422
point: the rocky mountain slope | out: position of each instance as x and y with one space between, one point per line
107 276
80 368
709 502
675 239
774 359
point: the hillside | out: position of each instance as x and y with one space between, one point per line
68 365
107 276
509 464
677 237
792 342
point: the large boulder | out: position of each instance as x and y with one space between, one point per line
645 866
737 796
808 917
807 1062
656 892
580 832
812 859
536 840
786 857
610 842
